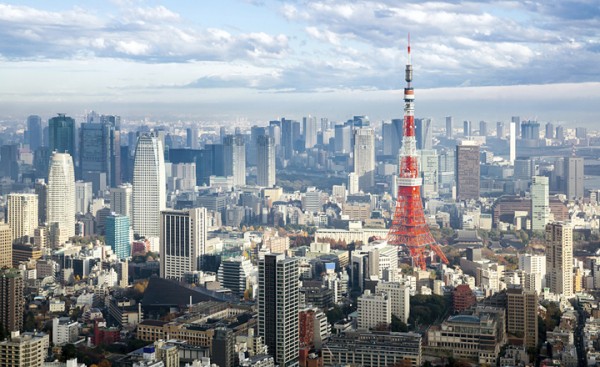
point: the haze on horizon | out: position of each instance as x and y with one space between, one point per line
259 60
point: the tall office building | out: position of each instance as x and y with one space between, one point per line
192 138
288 137
121 199
265 163
9 161
467 129
100 152
118 234
500 133
428 170
540 203
149 186
83 196
389 143
559 258
517 121
483 128
449 127
278 298
573 176
22 215
364 157
60 206
310 128
34 132
6 241
12 302
343 138
61 131
467 171
255 132
522 319
512 144
549 131
182 241
424 134
234 158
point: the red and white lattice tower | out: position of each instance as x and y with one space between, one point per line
409 228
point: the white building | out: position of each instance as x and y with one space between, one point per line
27 349
22 215
399 295
374 310
64 331
364 157
534 267
149 186
182 241
121 200
540 203
60 205
265 167
83 196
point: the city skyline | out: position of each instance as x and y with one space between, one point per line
266 59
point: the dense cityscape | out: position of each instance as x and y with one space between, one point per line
309 241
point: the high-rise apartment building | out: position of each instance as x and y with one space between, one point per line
60 205
522 319
559 258
6 240
12 302
234 158
149 186
35 135
118 234
265 163
278 298
182 241
22 215
467 171
61 130
121 200
534 271
364 157
540 203
574 177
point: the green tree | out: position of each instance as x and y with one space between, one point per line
69 351
398 325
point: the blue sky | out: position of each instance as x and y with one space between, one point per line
228 60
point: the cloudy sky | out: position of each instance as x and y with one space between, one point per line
229 60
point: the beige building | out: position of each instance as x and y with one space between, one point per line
5 246
27 349
22 215
559 258
374 310
399 295
522 316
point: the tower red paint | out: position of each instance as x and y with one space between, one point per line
409 227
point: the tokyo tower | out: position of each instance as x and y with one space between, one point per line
408 227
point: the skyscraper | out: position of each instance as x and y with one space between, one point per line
121 200
61 130
522 316
449 127
60 205
559 258
265 165
11 299
467 171
517 121
100 152
34 132
483 130
310 131
500 130
467 129
278 298
364 157
149 186
424 134
540 203
192 138
234 158
22 215
117 234
549 133
182 241
6 240
83 196
343 137
512 144
574 177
